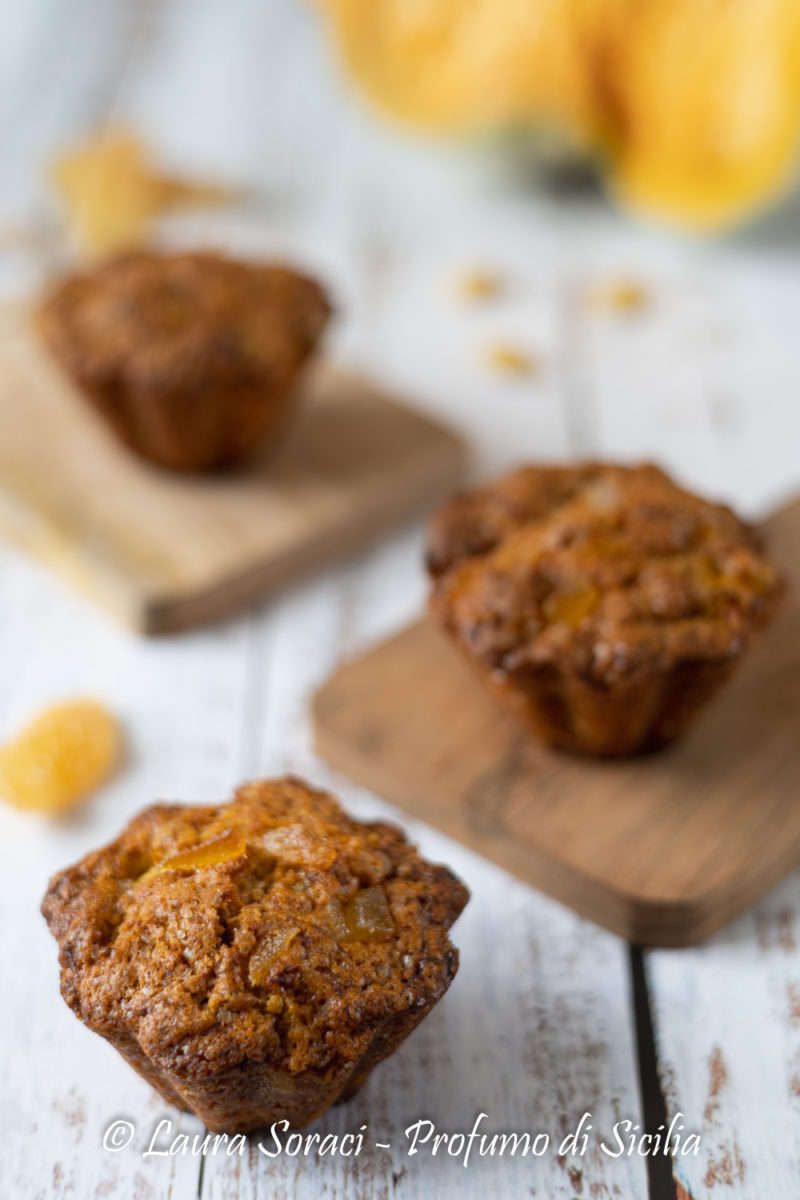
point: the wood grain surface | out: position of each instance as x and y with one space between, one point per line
663 849
164 552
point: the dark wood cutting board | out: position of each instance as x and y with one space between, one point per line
662 850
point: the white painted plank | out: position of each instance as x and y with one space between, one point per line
727 1028
63 66
434 345
704 380
727 1020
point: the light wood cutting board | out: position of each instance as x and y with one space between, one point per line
662 850
163 552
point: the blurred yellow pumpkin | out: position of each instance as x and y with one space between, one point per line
694 105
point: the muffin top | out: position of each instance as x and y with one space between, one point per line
155 322
273 929
600 568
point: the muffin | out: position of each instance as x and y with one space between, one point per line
254 960
603 604
190 358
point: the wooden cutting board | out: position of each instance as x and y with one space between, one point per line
164 552
662 850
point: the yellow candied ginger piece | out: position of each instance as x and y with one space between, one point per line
572 606
62 756
225 848
365 918
113 192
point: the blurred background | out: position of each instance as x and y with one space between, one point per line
692 113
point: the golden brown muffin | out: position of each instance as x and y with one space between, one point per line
603 604
255 960
191 358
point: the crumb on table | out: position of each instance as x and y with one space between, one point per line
619 296
478 285
510 359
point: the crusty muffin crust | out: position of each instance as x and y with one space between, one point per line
604 603
263 975
190 357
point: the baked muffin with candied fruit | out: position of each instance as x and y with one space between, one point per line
603 604
192 359
255 960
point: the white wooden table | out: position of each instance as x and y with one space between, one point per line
549 1016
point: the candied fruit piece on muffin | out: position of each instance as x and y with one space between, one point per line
192 359
603 604
255 960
